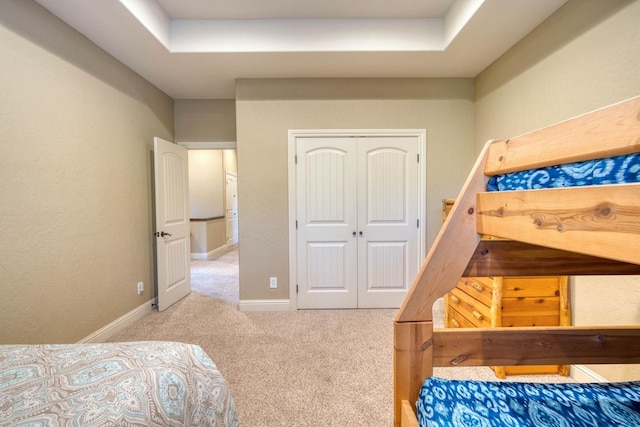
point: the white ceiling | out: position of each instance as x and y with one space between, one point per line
196 49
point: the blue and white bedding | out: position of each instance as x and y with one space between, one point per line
455 403
113 384
611 170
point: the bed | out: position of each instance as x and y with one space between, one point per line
588 228
150 383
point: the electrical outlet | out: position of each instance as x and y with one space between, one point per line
273 282
140 288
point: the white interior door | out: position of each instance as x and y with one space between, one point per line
172 222
388 227
231 192
327 223
357 214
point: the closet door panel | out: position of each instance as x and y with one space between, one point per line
387 219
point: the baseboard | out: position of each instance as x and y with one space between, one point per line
103 334
210 254
264 305
582 374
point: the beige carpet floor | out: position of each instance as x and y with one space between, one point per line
302 368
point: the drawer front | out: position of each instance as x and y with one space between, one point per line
526 321
532 370
532 307
480 288
473 310
457 320
519 287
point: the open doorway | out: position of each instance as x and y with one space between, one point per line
214 223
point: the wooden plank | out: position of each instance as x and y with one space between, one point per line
526 286
525 321
409 418
565 316
510 258
450 253
531 370
531 306
412 362
610 131
536 346
602 221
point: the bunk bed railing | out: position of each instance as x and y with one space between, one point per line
508 257
561 218
610 131
536 346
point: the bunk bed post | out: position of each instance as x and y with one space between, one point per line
413 361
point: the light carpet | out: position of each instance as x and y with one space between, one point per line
299 368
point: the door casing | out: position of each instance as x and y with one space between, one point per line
420 134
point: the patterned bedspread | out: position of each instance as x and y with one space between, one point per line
113 384
457 403
611 170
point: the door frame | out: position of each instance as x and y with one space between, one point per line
293 134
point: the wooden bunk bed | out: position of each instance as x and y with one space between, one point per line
585 230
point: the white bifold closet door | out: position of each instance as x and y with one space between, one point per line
357 212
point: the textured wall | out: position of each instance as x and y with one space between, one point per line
205 120
206 183
585 56
267 109
207 236
76 136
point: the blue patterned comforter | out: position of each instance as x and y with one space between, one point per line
611 170
114 384
455 403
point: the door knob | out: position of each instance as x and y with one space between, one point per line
162 234
354 234
361 234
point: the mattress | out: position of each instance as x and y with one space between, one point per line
610 170
448 403
113 384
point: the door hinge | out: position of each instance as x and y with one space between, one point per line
418 156
296 224
418 223
296 289
295 159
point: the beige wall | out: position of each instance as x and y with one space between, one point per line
207 236
75 201
205 120
230 160
585 56
206 184
267 109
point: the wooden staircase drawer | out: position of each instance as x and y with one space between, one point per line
480 288
519 287
472 309
531 306
458 320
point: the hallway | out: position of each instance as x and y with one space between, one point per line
217 277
